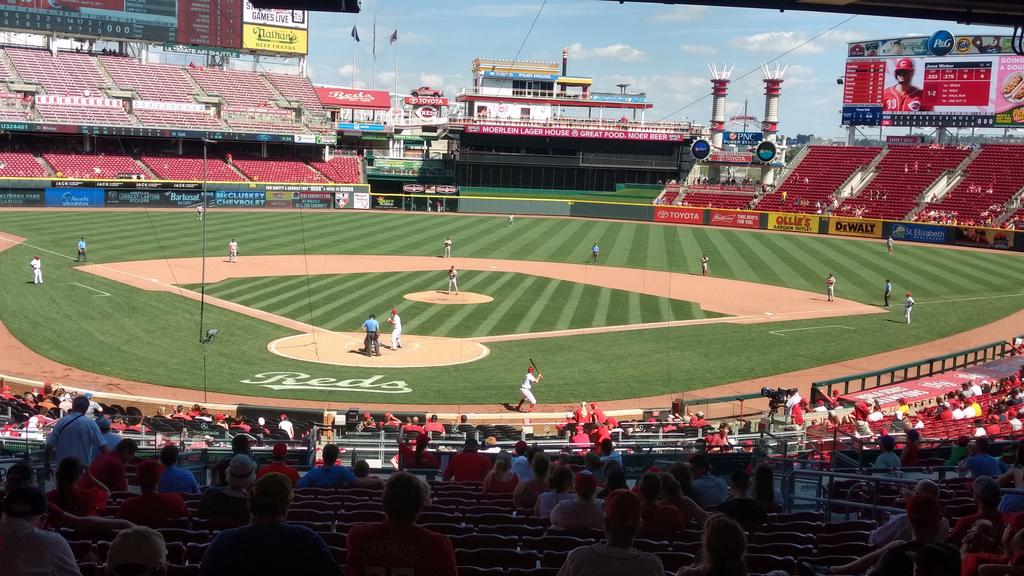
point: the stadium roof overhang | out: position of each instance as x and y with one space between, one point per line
566 102
994 12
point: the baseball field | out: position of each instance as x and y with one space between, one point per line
640 322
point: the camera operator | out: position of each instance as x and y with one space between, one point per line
792 399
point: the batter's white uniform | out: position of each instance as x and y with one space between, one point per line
37 270
526 390
232 251
448 248
453 284
907 307
396 331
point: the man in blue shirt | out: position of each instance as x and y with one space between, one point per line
888 291
175 478
594 251
330 475
371 343
81 251
981 463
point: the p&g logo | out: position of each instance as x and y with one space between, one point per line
940 43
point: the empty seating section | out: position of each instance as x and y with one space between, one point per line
20 164
94 165
66 74
237 88
83 115
169 119
815 179
700 199
344 169
278 171
670 193
903 174
191 168
992 178
160 82
297 88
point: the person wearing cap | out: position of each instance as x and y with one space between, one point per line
366 422
112 439
526 390
397 545
396 329
286 425
240 444
25 547
75 435
697 420
583 512
898 526
413 453
94 409
228 504
708 489
615 556
330 474
136 552
175 478
888 459
521 461
151 507
469 465
268 545
111 467
36 264
277 465
371 340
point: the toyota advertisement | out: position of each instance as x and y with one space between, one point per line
679 215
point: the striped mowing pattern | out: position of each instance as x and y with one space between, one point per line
522 303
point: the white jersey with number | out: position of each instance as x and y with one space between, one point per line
396 322
909 303
528 381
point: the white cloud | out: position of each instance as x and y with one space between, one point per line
679 14
797 75
346 71
386 78
619 52
698 49
432 80
775 42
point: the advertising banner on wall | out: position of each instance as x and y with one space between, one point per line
352 98
361 200
983 238
387 202
919 233
552 132
274 39
275 17
504 111
734 218
74 197
126 198
678 215
279 199
860 227
239 199
312 200
18 198
792 222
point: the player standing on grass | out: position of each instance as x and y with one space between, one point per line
830 287
888 244
907 307
81 250
888 291
526 390
703 265
447 247
233 251
595 250
199 213
37 270
396 329
511 219
453 283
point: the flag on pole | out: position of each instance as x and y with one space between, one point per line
355 33
394 37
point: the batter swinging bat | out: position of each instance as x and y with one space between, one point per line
535 369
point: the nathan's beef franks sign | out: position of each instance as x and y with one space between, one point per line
735 218
678 215
358 99
574 133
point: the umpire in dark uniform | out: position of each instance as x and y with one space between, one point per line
371 346
888 291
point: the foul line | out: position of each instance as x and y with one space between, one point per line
102 293
969 299
780 332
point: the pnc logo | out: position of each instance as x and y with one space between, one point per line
940 43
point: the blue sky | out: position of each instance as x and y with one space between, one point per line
661 50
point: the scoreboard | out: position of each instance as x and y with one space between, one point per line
921 82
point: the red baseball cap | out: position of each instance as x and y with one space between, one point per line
905 64
586 482
280 449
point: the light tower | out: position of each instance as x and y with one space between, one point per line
770 124
719 90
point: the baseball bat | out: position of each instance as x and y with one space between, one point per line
535 369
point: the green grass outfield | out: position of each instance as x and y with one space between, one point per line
152 337
522 303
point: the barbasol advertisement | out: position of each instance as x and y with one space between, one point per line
918 233
74 197
239 198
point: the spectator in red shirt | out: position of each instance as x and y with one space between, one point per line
500 480
719 441
797 413
910 457
660 521
279 455
367 423
76 494
150 507
398 545
469 465
419 457
413 426
861 410
597 413
993 428
434 426
698 421
580 440
986 497
582 413
110 468
179 413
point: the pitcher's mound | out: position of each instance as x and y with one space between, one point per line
442 297
343 349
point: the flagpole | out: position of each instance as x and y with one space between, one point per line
396 67
373 69
354 42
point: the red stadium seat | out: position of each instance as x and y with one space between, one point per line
554 543
496 558
475 541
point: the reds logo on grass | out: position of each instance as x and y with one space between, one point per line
302 381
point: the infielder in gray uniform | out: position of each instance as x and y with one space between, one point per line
907 307
453 283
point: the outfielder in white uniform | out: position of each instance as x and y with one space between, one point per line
448 247
703 265
199 212
453 283
37 270
907 307
511 219
233 251
888 244
396 329
526 390
830 287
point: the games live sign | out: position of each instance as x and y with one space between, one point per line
860 227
